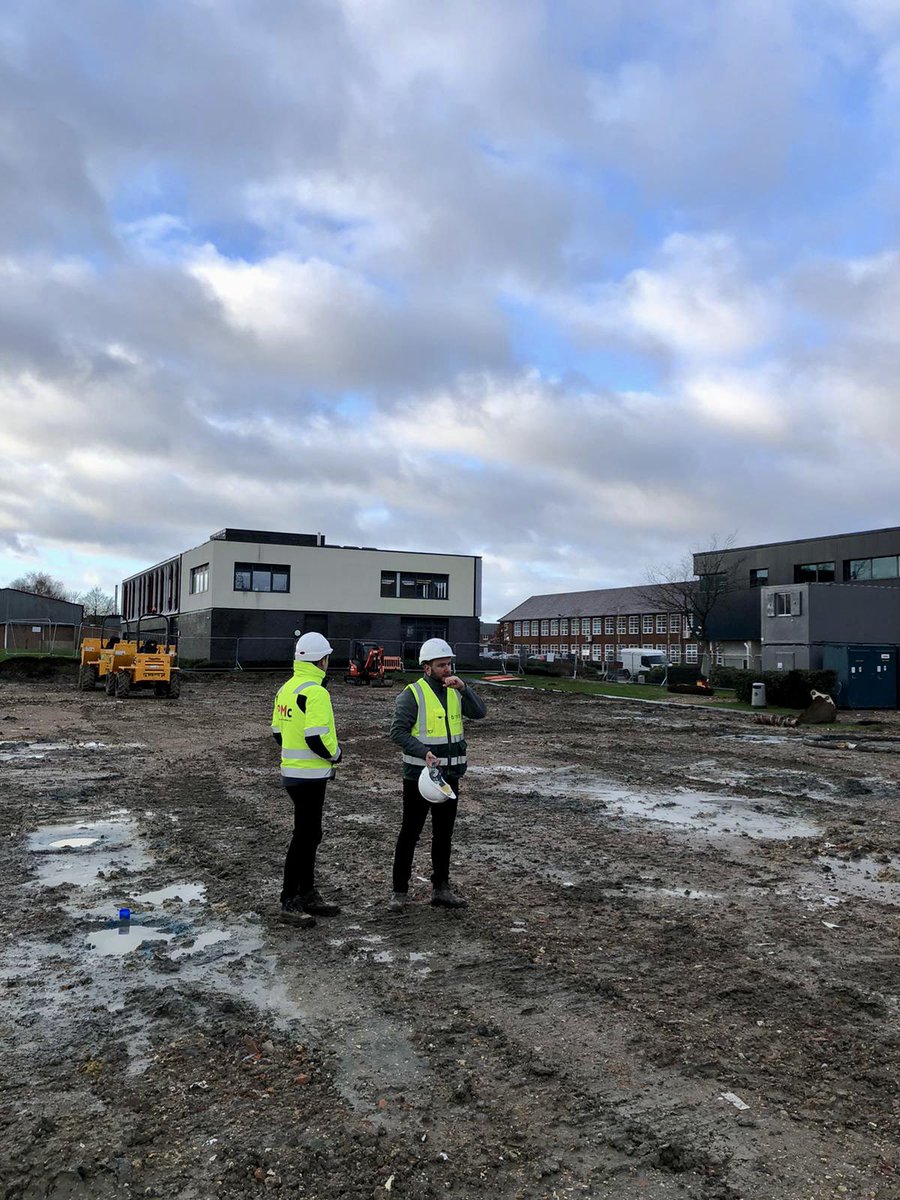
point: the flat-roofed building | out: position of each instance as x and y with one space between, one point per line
248 591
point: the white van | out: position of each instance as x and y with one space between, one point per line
637 661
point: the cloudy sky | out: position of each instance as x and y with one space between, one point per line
575 286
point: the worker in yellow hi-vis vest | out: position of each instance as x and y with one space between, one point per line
303 726
428 727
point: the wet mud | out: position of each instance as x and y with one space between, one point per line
678 975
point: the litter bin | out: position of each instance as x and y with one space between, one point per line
758 696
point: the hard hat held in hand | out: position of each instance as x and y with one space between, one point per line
435 648
433 787
311 647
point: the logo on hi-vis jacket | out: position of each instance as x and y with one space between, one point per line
284 710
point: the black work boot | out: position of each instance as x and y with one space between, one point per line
397 902
444 896
313 903
293 914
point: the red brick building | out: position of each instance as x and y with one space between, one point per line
596 625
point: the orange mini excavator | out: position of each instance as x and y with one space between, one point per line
368 665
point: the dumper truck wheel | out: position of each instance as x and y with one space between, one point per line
123 684
174 687
87 678
109 683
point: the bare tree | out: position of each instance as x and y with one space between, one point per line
97 603
41 583
697 596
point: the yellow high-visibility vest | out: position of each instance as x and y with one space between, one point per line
439 729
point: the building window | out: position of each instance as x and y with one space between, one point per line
420 585
675 653
517 629
553 648
690 652
261 577
585 625
610 626
389 583
596 653
783 604
674 623
688 627
554 628
871 568
564 625
814 572
647 622
573 649
200 579
621 625
610 653
660 622
597 625
661 647
634 624
545 628
759 577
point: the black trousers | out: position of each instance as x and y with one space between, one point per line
415 814
300 865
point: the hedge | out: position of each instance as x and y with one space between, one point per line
784 689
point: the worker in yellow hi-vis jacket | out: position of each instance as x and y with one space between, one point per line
303 726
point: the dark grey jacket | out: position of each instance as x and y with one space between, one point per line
406 710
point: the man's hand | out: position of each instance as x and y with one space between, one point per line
454 681
431 760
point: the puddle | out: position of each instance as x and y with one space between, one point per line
77 853
212 937
710 814
674 893
12 752
862 878
692 811
124 938
766 739
186 892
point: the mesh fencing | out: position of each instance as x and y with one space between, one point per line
41 637
266 653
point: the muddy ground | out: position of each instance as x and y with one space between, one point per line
678 976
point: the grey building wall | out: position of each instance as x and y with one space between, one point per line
222 635
864 614
738 617
26 606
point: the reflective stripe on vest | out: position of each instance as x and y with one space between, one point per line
435 727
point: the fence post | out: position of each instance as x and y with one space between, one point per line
237 654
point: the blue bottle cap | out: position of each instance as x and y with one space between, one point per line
124 914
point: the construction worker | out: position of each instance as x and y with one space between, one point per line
303 726
428 727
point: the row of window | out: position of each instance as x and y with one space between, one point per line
558 626
266 577
884 567
608 653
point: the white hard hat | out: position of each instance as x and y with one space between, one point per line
435 648
434 787
311 647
